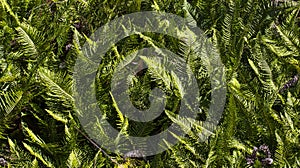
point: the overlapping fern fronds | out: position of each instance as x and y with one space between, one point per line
258 42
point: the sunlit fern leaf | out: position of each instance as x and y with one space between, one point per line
36 153
9 72
97 160
8 100
122 123
226 33
20 156
230 119
184 123
280 151
187 8
279 50
35 163
7 7
210 158
261 68
36 112
290 38
187 145
74 160
178 85
12 146
287 45
32 137
58 88
121 117
57 117
283 39
84 54
178 155
297 162
76 39
158 71
29 47
84 3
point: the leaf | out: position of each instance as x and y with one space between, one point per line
13 147
9 100
74 159
38 155
6 6
261 68
57 117
49 77
29 47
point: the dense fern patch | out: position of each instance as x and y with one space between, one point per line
258 41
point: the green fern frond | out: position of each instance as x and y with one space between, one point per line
28 37
57 117
35 163
61 90
280 151
38 155
9 99
74 160
7 7
261 68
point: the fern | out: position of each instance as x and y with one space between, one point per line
41 41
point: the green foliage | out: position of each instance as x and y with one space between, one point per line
258 41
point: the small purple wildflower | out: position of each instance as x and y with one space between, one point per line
68 47
3 162
250 160
266 150
290 83
265 161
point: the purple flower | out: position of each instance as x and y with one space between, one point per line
3 162
250 161
265 161
290 83
68 47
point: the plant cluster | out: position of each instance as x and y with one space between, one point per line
258 41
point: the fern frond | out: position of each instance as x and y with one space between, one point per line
28 42
280 151
262 69
38 155
7 7
57 117
74 160
62 90
9 99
